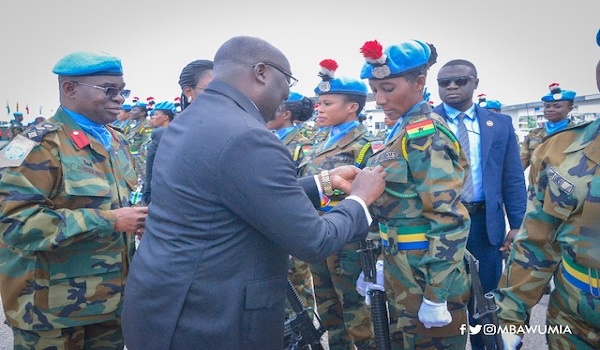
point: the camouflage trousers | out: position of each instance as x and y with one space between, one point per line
402 341
99 336
342 310
301 278
577 309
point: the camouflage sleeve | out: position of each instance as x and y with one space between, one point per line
525 154
438 173
534 257
33 214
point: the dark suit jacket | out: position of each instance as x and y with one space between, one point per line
150 154
226 211
503 179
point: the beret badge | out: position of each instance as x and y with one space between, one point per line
373 53
327 72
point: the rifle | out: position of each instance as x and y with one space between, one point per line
486 308
300 331
379 314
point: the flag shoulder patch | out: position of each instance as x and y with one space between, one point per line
420 129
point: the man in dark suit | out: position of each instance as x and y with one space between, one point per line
227 210
495 184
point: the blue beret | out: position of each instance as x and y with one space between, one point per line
164 106
139 104
557 94
82 63
490 104
598 38
395 60
17 114
294 97
126 107
342 86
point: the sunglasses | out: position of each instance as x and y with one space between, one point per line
459 81
110 92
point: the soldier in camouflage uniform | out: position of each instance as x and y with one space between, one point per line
139 132
557 106
16 125
66 245
296 108
342 310
560 238
423 224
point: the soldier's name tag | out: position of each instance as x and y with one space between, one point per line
15 152
563 184
385 155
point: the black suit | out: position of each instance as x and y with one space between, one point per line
227 209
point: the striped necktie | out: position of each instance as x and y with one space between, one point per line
463 138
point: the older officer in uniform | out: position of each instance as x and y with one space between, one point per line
423 224
66 224
16 125
342 310
559 238
557 106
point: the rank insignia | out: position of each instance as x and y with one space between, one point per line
79 139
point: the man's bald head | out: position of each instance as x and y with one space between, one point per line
246 63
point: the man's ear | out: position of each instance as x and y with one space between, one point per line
259 72
68 88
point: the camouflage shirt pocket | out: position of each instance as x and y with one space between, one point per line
559 200
82 284
82 178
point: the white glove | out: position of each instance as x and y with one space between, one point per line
363 287
434 314
511 341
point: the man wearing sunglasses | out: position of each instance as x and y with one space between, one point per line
67 227
495 183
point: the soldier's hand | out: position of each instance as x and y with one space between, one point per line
369 184
130 219
342 177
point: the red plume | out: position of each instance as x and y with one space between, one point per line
554 87
329 64
372 51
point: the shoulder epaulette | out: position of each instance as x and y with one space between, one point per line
36 132
15 151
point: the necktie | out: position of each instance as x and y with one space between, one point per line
463 139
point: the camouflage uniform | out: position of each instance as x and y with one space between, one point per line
560 237
62 264
320 135
341 308
137 137
424 229
16 127
299 272
532 140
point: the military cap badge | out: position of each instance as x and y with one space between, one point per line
373 53
327 72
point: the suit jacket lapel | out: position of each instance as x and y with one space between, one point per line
486 128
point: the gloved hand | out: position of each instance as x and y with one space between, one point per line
511 341
363 287
434 314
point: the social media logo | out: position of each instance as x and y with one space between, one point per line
475 329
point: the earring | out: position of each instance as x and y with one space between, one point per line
189 99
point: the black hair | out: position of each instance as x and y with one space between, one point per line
461 62
359 99
301 110
191 75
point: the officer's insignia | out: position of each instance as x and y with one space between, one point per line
79 139
489 123
557 96
324 86
16 151
563 184
380 72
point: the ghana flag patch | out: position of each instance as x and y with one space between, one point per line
420 129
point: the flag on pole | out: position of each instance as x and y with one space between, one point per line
41 110
27 108
17 106
7 108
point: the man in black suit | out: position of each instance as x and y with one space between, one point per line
226 212
495 185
